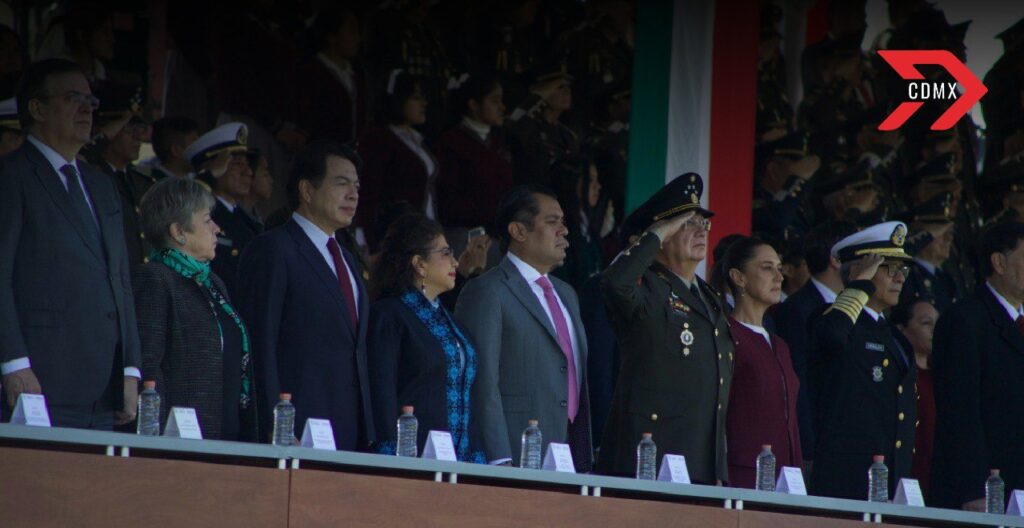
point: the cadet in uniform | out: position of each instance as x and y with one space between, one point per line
862 371
927 277
114 155
784 166
674 340
537 139
220 156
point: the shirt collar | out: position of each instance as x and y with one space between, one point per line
52 156
226 204
344 69
527 271
874 315
1012 312
481 129
928 266
315 234
825 291
410 133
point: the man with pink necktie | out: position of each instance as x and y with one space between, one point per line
531 344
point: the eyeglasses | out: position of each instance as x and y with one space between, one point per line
445 251
79 98
893 269
701 223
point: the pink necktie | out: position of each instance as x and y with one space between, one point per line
564 341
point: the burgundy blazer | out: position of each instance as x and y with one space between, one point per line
474 176
762 405
392 172
324 105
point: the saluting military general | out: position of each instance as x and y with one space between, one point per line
674 340
862 372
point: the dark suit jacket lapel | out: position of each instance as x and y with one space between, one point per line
103 206
1007 328
316 261
51 182
522 292
362 296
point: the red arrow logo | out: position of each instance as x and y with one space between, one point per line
903 61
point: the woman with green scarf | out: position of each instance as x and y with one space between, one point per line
194 344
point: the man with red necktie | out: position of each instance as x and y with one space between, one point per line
303 295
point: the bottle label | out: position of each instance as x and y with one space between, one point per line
673 469
559 458
791 481
439 446
318 434
31 410
182 422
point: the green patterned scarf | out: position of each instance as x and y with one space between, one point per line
197 271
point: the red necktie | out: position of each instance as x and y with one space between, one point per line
564 341
343 282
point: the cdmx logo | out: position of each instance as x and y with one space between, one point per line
919 91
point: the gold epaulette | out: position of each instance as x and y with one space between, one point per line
851 302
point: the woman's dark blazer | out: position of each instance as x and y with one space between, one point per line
181 348
408 367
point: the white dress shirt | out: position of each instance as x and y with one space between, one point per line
230 207
57 162
873 314
825 292
1011 312
482 130
319 239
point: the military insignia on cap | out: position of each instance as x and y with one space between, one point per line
876 374
694 199
686 337
899 235
243 135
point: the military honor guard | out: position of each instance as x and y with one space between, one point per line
862 371
674 340
221 158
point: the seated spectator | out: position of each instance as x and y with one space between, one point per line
421 356
171 136
194 344
398 164
762 401
475 167
10 129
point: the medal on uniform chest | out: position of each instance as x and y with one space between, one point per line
686 338
876 374
677 304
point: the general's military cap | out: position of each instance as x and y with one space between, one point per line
678 196
936 210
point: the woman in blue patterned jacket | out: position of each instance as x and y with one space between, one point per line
418 354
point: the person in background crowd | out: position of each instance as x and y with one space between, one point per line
333 95
590 217
306 304
609 144
171 137
795 273
531 344
13 59
115 155
927 276
762 403
792 316
89 38
916 318
673 335
220 155
11 136
861 371
978 362
537 138
398 164
421 355
195 345
261 191
62 245
475 167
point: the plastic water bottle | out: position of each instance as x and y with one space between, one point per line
149 410
407 426
284 421
646 458
529 457
878 480
765 480
994 493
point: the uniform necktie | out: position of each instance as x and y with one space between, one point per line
564 341
343 282
78 202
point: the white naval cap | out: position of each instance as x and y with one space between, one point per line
230 137
9 114
885 239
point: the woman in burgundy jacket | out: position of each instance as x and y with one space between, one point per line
762 401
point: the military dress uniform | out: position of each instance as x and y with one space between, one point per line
676 354
863 380
925 279
535 143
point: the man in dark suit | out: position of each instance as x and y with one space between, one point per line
978 364
674 340
304 300
67 316
531 345
862 371
792 315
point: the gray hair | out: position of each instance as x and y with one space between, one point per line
172 201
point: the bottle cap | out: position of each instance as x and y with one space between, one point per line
148 384
647 436
766 447
532 423
285 396
878 458
407 409
993 472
